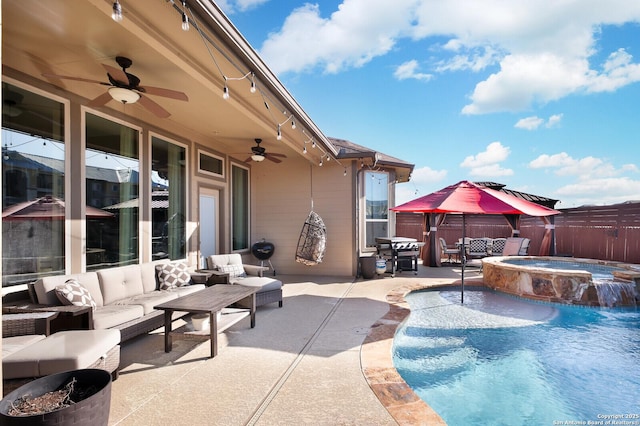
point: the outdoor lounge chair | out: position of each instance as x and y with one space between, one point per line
477 248
449 251
497 246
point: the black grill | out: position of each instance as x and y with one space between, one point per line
263 250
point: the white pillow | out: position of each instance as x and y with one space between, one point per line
234 271
74 293
172 275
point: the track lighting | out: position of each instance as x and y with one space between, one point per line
116 15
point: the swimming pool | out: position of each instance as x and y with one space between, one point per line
503 360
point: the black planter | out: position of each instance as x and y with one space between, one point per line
91 411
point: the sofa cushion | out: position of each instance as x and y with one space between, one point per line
73 293
15 343
216 260
120 283
45 287
150 275
62 351
187 289
172 275
263 283
113 315
234 271
148 300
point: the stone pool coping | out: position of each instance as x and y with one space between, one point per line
377 361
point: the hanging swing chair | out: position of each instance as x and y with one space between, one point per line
313 240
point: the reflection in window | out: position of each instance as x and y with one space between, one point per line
210 164
33 207
168 204
377 206
112 173
239 208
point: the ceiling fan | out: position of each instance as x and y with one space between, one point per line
125 87
258 153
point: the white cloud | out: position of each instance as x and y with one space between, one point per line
357 32
554 121
421 178
534 122
529 123
541 51
232 6
487 163
409 70
427 175
594 178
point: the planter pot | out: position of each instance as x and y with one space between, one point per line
93 410
367 267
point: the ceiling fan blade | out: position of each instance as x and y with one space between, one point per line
167 93
66 77
100 100
248 160
275 154
272 158
117 74
153 107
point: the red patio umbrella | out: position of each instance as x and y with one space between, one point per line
468 198
46 208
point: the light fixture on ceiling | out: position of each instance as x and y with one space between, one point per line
116 15
185 20
123 95
257 157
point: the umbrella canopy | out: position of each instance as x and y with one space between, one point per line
46 208
468 198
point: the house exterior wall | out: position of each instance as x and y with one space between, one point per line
282 196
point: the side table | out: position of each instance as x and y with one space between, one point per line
68 318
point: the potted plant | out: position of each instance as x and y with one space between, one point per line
78 397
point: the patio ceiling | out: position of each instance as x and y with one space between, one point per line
74 38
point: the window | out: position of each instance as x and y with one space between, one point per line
210 164
377 206
168 203
239 208
33 193
111 158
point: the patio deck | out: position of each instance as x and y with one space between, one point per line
317 360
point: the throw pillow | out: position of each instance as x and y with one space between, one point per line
74 293
234 271
172 275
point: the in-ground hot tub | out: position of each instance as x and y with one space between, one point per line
564 280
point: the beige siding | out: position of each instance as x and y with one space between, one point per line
281 201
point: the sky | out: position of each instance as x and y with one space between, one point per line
540 95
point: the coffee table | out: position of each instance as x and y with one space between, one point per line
210 301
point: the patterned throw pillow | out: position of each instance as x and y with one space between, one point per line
234 271
73 293
172 275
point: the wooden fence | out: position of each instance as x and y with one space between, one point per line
596 232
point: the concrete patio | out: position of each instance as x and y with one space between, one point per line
317 360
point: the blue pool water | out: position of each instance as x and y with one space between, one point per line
499 360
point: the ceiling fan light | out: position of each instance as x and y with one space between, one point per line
116 14
257 157
123 95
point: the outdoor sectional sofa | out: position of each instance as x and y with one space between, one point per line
124 296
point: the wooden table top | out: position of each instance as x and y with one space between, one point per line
211 299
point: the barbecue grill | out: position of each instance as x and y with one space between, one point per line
401 252
263 250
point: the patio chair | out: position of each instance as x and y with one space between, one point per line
497 246
449 251
524 247
477 248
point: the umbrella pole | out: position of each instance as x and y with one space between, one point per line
463 258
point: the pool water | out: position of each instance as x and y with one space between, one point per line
500 360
